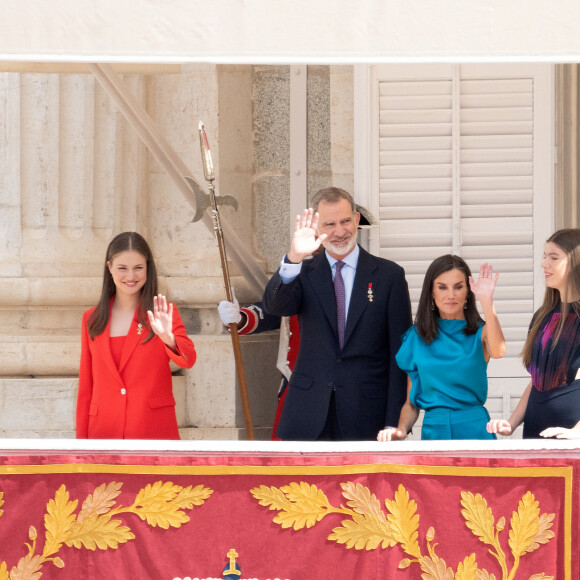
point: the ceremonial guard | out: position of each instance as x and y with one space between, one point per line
253 319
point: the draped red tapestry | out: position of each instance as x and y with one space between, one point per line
294 516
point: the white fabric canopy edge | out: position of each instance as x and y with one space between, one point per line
29 59
290 32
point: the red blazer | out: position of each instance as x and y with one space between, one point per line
136 400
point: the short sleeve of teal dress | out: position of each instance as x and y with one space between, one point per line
448 376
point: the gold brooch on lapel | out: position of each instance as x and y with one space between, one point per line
139 328
370 292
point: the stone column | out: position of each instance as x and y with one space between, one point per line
567 145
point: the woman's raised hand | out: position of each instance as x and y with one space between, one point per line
161 320
486 281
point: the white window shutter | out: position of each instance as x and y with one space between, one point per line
496 192
415 174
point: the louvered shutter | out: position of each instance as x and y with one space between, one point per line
415 174
496 195
461 157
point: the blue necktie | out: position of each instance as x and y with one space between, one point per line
340 302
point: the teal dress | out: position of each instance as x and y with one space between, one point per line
449 381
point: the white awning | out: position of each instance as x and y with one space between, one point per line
287 31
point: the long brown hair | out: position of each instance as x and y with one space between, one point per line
569 242
427 311
124 242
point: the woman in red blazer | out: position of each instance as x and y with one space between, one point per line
128 339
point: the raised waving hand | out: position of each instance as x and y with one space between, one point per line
305 240
161 320
486 281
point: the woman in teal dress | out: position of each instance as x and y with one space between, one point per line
445 354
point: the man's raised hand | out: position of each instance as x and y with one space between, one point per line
305 241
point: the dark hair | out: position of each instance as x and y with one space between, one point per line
332 195
427 311
568 241
124 242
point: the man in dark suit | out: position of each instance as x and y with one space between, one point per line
353 309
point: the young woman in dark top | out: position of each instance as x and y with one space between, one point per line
550 405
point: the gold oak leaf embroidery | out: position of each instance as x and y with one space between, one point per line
58 521
361 533
362 501
434 568
94 527
302 505
99 531
271 497
467 569
369 527
158 492
189 496
308 505
404 521
479 519
528 529
100 501
159 504
525 524
28 568
156 505
544 534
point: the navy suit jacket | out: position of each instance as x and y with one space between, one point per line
369 387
